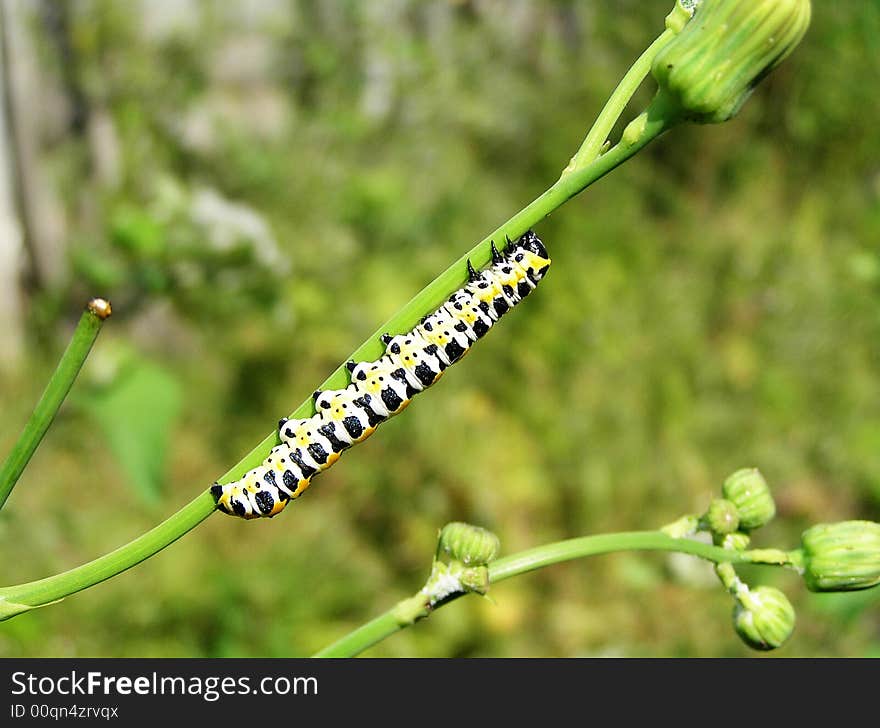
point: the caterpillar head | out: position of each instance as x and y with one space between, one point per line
532 256
533 244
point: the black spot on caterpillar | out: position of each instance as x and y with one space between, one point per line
380 389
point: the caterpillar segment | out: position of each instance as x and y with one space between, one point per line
417 357
385 383
380 389
350 414
308 442
465 310
446 333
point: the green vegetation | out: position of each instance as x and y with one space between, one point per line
711 304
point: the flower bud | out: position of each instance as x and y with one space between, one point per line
722 517
763 617
749 492
710 68
471 545
841 556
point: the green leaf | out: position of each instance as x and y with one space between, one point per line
136 231
137 412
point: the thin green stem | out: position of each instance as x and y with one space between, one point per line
614 107
96 312
364 636
23 597
553 553
659 117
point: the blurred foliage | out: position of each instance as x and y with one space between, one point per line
256 185
135 410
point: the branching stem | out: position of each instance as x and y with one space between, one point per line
657 118
554 553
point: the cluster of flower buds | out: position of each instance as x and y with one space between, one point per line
763 617
832 557
745 505
748 493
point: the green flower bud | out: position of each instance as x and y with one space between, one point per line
749 492
471 545
763 617
722 517
710 68
841 556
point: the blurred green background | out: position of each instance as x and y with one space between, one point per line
257 185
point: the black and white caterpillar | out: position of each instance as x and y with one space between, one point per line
381 389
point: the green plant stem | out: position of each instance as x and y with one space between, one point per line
554 553
24 597
659 117
614 107
59 385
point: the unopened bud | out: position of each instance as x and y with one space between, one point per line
471 545
710 68
749 492
722 517
841 556
763 617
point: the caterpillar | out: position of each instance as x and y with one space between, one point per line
380 389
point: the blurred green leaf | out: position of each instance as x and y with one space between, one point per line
103 272
136 231
137 412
